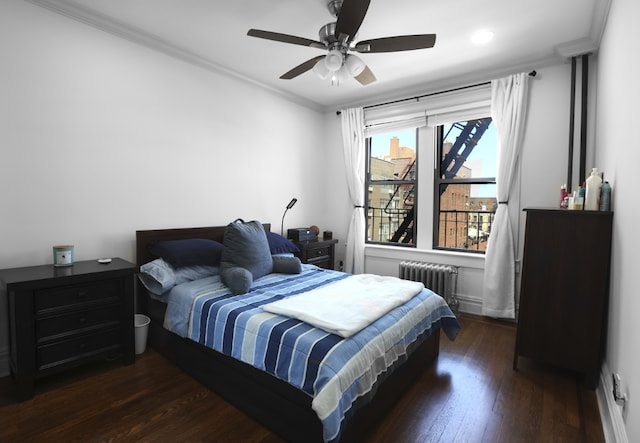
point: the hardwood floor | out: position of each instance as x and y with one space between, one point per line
470 395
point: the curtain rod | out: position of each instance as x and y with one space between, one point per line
418 97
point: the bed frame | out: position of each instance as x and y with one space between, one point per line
274 403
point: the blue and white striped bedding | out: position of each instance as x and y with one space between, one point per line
333 370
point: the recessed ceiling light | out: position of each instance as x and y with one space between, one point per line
482 37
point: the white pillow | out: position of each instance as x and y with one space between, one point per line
158 276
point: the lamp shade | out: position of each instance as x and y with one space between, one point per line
321 70
354 65
333 60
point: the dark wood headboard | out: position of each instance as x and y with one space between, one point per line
144 238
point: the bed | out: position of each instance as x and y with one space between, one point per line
280 405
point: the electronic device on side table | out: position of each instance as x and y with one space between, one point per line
301 234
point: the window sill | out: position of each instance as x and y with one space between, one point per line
454 258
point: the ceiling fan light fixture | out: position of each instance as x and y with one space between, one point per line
340 38
333 60
354 65
321 70
340 76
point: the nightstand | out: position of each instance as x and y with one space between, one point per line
321 253
61 317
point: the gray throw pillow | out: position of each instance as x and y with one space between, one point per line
238 279
286 264
245 246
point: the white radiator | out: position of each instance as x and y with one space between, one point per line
441 279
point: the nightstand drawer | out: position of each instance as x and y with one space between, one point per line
319 252
98 291
48 328
66 351
321 262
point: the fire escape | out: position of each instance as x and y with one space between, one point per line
470 133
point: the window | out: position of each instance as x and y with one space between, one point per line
420 206
465 185
391 181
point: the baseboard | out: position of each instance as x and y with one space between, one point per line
611 413
469 305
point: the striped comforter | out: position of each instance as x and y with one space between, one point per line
333 370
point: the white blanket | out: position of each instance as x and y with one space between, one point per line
347 306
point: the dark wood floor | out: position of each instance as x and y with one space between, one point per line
470 395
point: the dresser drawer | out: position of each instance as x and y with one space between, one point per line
58 325
67 351
98 291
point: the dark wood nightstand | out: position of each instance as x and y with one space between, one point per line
60 317
321 253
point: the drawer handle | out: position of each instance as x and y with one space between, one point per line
82 321
82 346
82 294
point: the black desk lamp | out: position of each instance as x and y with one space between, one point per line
289 206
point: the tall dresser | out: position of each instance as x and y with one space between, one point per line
564 290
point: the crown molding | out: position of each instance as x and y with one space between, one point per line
156 43
590 44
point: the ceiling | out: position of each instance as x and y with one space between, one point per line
527 35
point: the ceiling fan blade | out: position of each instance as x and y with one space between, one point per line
397 43
365 77
285 38
301 68
350 18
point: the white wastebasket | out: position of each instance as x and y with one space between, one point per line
141 323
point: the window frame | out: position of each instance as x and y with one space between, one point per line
438 181
395 183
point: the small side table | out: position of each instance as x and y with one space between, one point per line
321 253
61 317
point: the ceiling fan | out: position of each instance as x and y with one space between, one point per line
338 38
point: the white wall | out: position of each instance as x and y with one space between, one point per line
618 154
100 137
547 137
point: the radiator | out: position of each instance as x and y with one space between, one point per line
441 279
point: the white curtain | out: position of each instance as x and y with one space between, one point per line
508 111
354 159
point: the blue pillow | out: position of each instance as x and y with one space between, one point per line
245 246
188 252
280 245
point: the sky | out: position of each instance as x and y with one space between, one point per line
481 167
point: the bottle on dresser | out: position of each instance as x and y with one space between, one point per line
605 197
592 197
